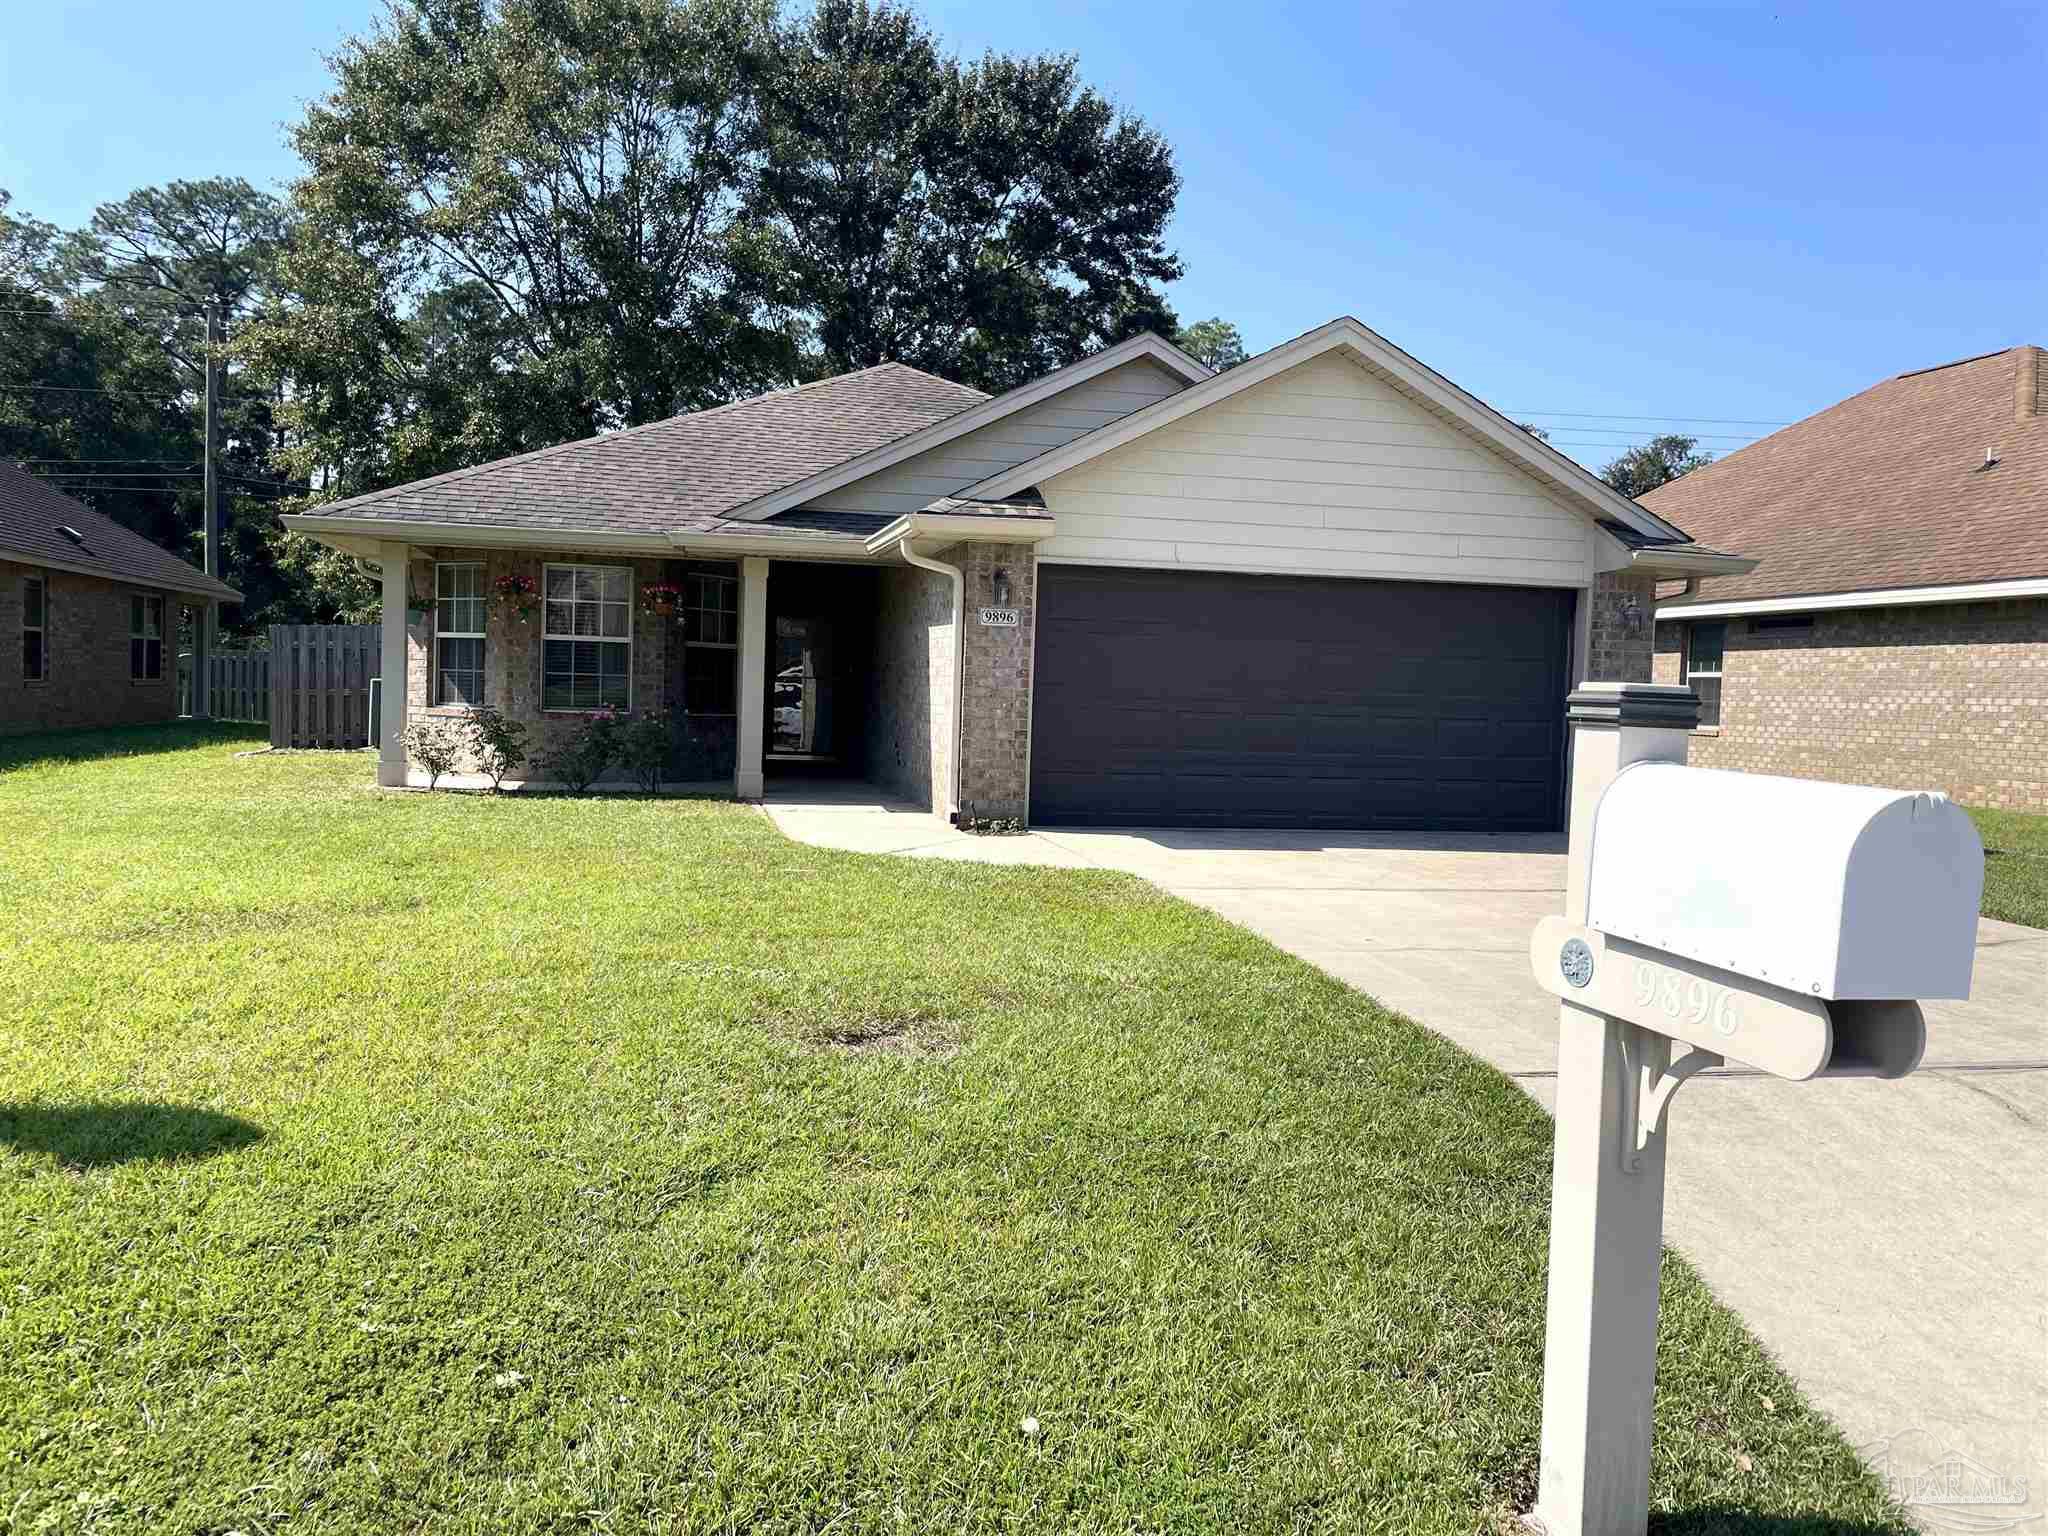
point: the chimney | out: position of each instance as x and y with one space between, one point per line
2026 383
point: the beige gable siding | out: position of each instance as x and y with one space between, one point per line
916 483
1323 469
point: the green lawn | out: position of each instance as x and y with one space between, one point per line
2015 866
380 1162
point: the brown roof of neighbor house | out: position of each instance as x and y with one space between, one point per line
1888 489
684 472
34 515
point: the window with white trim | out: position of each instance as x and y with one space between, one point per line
145 638
35 629
1706 644
586 637
711 650
459 610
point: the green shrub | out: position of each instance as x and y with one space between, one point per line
434 744
581 761
497 742
643 747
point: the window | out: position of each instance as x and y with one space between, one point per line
35 629
711 634
1704 645
459 633
587 637
145 638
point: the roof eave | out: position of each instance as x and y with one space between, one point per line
1869 597
962 528
1144 345
220 592
1689 562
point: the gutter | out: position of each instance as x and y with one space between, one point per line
952 573
1873 597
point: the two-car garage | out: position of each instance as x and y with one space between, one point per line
1188 698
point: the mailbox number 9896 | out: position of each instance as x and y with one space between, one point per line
1690 997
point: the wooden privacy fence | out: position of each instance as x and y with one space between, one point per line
320 683
240 685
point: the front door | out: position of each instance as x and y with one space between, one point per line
803 707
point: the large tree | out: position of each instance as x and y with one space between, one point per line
1214 341
1661 460
984 220
520 222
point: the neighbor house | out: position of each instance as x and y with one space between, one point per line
1325 588
90 611
1896 630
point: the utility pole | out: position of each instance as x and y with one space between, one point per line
202 700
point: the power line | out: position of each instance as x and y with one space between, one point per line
80 389
1719 421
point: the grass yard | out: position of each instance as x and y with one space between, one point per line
380 1162
2015 865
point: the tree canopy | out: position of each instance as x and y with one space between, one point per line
1661 460
1214 341
526 221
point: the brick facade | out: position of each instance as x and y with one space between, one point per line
910 688
512 646
995 734
1943 696
86 683
1615 655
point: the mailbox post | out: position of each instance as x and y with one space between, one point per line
1709 916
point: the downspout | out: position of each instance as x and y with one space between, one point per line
951 573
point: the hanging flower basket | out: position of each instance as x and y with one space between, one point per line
663 599
516 596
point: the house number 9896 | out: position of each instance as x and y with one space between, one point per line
1689 997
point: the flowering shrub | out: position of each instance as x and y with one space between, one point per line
660 597
497 743
516 595
432 743
643 747
582 760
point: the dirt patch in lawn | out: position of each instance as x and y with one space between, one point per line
919 1039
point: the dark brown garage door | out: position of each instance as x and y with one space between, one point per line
1169 698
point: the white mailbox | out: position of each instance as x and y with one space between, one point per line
1782 924
1830 890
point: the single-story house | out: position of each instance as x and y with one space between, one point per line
1325 588
90 610
1896 629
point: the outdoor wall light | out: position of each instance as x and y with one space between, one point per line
999 586
1631 615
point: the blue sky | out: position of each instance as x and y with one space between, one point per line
1625 212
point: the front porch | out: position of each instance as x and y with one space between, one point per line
771 673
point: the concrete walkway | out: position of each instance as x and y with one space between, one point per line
1887 1241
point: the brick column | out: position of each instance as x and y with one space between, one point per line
1616 655
995 684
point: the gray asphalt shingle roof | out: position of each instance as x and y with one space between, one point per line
684 473
32 515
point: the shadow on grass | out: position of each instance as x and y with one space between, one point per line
1731 1520
103 1134
128 741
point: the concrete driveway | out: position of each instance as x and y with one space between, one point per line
1887 1241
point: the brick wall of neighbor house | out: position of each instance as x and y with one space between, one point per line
995 733
86 683
512 648
910 728
1945 696
1616 655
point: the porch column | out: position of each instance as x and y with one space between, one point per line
392 689
746 777
202 660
